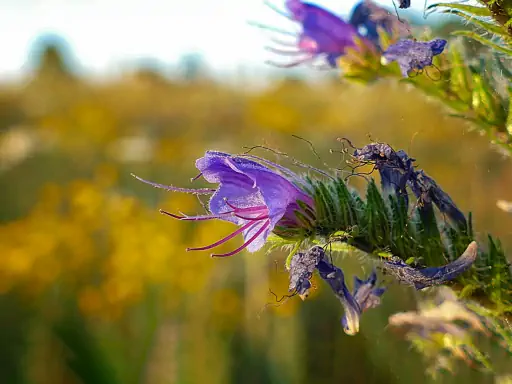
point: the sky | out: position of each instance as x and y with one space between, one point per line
106 34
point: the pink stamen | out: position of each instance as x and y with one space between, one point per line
222 241
174 216
197 177
246 244
252 218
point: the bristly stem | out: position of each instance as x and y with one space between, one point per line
380 226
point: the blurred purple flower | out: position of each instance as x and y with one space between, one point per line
413 55
249 194
323 34
369 16
404 4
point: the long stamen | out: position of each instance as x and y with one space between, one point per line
247 243
196 177
198 191
198 218
223 240
252 218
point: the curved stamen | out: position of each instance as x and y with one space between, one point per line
247 243
228 237
252 218
198 191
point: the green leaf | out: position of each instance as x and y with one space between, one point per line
472 9
483 40
489 27
459 76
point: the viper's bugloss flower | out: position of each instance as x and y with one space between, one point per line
249 194
428 277
369 16
323 34
413 55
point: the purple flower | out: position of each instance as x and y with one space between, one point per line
368 15
323 34
249 194
413 55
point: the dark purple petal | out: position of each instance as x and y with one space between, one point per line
414 55
428 277
395 168
427 191
335 278
365 293
369 15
